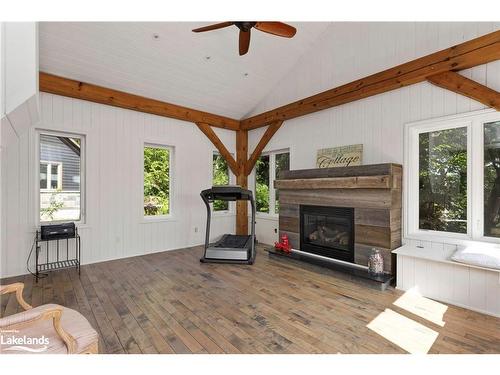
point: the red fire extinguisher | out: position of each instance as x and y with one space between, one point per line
284 244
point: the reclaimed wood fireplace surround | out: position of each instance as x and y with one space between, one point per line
373 191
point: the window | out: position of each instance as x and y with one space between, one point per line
60 175
443 180
267 169
453 179
220 176
491 162
282 164
262 184
157 180
50 176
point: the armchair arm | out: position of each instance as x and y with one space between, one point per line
18 288
38 314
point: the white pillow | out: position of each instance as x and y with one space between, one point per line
479 255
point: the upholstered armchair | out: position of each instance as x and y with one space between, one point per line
46 329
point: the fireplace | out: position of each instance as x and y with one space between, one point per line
327 231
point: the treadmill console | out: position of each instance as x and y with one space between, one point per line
226 193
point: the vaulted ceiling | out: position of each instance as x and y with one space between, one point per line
202 71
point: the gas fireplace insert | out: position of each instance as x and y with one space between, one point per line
327 231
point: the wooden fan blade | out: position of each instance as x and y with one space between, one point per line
213 27
244 42
276 28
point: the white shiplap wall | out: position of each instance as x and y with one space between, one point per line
348 52
114 225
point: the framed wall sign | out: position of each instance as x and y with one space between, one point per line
343 156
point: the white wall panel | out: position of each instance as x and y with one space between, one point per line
20 62
114 226
472 288
460 285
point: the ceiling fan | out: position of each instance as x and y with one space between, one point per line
275 28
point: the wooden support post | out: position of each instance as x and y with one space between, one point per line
242 180
462 85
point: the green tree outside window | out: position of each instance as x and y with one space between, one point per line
443 180
220 177
156 181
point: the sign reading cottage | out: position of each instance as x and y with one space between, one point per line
344 156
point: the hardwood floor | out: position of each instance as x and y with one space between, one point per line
170 303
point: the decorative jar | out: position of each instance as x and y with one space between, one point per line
375 262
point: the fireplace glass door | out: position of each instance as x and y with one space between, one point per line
328 231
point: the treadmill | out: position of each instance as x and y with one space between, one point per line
229 248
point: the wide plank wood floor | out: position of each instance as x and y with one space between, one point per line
171 303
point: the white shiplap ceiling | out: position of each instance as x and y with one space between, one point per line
124 56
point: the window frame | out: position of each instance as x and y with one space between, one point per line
170 216
232 181
272 177
83 172
474 122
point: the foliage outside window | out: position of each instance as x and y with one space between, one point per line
262 184
60 176
267 169
156 181
443 180
491 147
220 175
453 177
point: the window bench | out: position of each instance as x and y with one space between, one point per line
428 268
437 256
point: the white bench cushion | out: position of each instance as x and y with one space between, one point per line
478 255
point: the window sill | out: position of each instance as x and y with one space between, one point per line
435 255
158 219
223 213
79 224
454 239
264 216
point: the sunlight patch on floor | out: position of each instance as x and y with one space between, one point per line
409 335
424 307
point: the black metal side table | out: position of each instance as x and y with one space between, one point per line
47 261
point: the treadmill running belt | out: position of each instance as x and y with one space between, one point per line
233 241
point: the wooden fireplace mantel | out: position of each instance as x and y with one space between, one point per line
374 191
359 182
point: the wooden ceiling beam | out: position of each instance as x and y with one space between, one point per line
462 85
209 132
270 131
98 94
462 56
